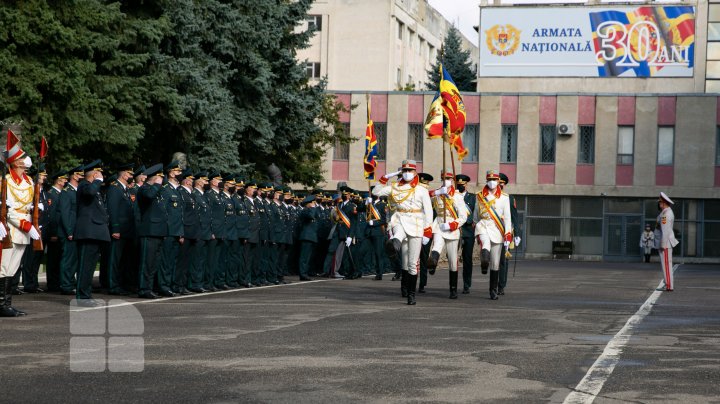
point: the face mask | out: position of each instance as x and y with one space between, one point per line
492 184
281 198
27 161
461 188
231 190
255 194
206 187
408 176
447 183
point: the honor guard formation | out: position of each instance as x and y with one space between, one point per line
162 231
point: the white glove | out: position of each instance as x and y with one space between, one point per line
425 240
368 201
441 191
517 241
445 226
33 233
99 177
41 206
3 232
390 175
371 222
348 241
506 244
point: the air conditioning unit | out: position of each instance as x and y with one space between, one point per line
565 129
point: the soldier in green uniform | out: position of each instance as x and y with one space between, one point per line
346 232
191 233
91 230
228 277
333 239
250 248
122 229
54 246
264 264
170 195
285 240
377 221
204 235
323 227
242 228
152 230
425 180
467 231
502 281
294 232
67 207
308 235
276 235
359 248
217 224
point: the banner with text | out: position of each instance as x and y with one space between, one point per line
624 41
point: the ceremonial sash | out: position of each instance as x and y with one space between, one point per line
343 216
448 204
493 214
373 213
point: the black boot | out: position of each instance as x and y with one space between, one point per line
453 284
392 247
494 276
432 262
403 284
6 309
411 285
484 261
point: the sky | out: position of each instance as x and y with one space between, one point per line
463 13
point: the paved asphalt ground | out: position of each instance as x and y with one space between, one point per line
337 341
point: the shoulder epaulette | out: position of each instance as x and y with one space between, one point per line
67 188
504 194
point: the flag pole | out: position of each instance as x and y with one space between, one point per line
367 100
445 132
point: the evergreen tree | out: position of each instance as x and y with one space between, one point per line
456 61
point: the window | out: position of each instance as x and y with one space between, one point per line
626 138
411 39
314 22
508 144
401 27
312 70
415 141
471 135
666 135
381 135
421 47
342 151
586 145
547 143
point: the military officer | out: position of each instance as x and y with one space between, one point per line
251 246
122 231
67 208
412 221
504 261
217 223
451 213
91 230
242 227
425 180
191 233
54 249
377 221
276 234
153 228
265 260
467 231
333 238
493 228
170 195
360 248
19 201
31 259
665 222
204 235
308 235
346 218
229 275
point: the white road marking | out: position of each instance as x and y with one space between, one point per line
589 387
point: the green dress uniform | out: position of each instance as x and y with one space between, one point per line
343 232
324 226
276 239
122 221
170 195
153 228
504 262
377 237
67 207
250 248
54 249
285 241
204 236
91 233
361 246
467 232
188 249
228 276
308 237
217 224
242 228
263 248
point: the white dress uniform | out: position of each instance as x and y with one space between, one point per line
412 214
490 233
665 221
20 200
455 216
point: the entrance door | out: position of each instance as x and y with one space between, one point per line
622 237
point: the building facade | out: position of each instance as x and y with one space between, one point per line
375 45
587 156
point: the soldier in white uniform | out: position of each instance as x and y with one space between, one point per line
451 213
19 221
493 227
410 225
665 222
